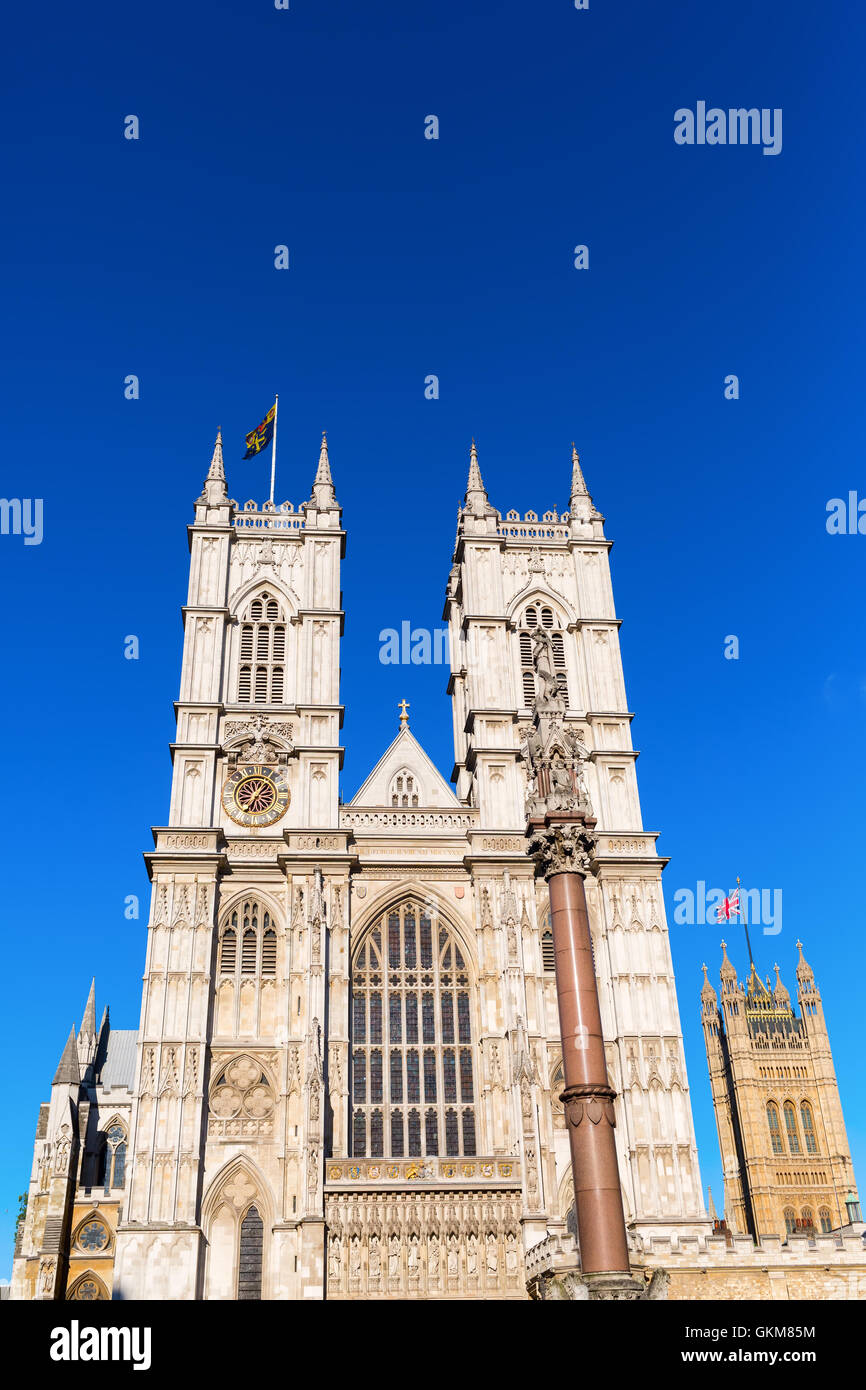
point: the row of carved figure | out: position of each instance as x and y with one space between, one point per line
486 1258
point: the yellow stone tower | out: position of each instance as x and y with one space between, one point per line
785 1156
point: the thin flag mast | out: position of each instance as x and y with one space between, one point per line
745 925
274 450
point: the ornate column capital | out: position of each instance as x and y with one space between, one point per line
565 845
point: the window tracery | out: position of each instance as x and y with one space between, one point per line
413 1062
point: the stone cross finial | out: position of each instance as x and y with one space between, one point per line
404 718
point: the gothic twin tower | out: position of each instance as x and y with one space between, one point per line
345 1080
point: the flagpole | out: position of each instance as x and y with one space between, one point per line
745 927
274 449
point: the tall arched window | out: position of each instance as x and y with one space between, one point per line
790 1221
539 615
807 1220
111 1160
248 942
250 1256
791 1127
775 1130
261 675
826 1220
808 1123
413 1083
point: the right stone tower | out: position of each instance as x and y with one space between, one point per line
514 578
785 1156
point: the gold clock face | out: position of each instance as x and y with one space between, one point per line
256 795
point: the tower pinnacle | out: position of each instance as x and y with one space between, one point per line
88 1022
323 496
68 1072
476 500
215 483
578 484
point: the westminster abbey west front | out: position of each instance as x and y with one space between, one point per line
346 1079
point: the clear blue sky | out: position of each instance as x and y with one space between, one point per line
454 257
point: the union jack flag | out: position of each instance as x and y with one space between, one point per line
729 908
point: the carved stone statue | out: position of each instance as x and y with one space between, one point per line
394 1258
334 1256
547 687
375 1260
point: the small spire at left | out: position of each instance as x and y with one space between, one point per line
215 483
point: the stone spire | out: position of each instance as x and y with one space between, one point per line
805 974
323 496
781 997
68 1072
87 1031
476 501
711 1206
708 994
578 485
215 482
580 504
727 971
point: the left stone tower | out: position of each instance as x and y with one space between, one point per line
224 1193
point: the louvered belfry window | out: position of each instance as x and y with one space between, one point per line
261 673
539 615
250 926
413 1062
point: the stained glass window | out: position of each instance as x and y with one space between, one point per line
396 1076
449 1072
791 1127
775 1131
414 1134
452 1142
396 1133
413 1079
808 1128
412 998
430 1077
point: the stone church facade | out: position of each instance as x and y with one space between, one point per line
345 1080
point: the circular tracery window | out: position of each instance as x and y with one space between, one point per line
93 1236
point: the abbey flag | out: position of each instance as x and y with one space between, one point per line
261 437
